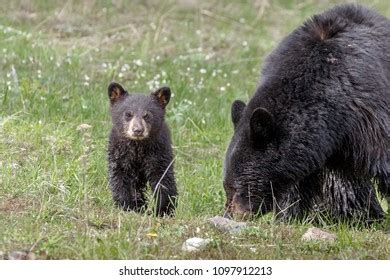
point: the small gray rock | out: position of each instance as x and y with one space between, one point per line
83 127
195 244
316 234
21 255
227 225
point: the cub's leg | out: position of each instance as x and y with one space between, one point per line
127 187
159 173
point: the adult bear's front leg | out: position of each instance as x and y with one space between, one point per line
300 199
348 197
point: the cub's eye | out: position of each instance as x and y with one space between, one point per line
128 115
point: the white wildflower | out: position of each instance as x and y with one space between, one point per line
138 62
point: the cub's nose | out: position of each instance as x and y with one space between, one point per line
138 131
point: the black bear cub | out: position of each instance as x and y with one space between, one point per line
140 150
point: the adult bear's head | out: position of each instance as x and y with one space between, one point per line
250 160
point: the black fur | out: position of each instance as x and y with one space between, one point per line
133 163
326 89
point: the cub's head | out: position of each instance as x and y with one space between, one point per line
137 116
248 162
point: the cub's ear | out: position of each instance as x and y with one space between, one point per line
261 126
116 92
162 96
236 111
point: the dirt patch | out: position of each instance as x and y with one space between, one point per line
13 204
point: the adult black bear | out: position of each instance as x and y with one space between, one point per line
317 130
140 150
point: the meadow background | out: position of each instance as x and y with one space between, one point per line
56 61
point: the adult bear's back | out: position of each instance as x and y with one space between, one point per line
354 33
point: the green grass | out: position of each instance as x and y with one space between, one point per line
57 58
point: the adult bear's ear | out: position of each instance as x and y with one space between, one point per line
261 126
162 96
236 111
116 92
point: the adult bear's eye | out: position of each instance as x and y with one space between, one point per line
146 116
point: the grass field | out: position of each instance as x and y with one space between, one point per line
57 58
